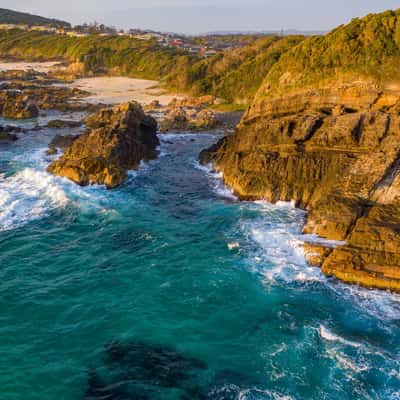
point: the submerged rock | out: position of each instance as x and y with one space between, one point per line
116 140
141 371
138 370
8 137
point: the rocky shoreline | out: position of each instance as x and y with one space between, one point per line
336 153
333 150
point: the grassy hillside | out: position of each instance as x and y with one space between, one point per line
367 47
234 75
15 17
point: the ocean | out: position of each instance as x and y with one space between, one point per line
168 287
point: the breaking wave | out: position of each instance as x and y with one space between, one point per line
27 196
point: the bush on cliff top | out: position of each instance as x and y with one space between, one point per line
367 47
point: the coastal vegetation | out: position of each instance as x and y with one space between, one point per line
323 131
15 17
233 75
365 48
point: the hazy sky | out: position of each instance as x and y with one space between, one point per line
199 16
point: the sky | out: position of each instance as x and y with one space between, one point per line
202 16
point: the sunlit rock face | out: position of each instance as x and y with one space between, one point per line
117 140
335 151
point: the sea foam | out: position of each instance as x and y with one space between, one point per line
28 195
326 334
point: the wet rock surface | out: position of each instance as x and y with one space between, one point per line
336 153
116 140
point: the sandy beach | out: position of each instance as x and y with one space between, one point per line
113 90
107 90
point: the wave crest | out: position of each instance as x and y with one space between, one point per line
26 196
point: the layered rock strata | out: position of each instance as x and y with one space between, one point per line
116 140
335 151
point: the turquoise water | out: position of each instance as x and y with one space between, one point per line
169 288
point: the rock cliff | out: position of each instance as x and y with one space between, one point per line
333 146
116 140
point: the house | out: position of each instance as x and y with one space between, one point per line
76 34
209 53
43 28
176 43
8 26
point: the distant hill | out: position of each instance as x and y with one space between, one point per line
15 17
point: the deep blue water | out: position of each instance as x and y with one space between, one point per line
169 288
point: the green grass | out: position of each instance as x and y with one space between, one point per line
364 48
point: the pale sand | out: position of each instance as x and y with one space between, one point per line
107 90
25 66
114 90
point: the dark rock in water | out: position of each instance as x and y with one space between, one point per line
207 156
51 151
117 139
130 240
8 137
141 371
10 128
60 124
62 142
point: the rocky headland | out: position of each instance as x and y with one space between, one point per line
116 140
330 142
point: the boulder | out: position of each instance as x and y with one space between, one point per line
153 105
182 119
116 140
15 105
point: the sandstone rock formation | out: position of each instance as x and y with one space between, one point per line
117 139
183 119
324 131
15 105
335 152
